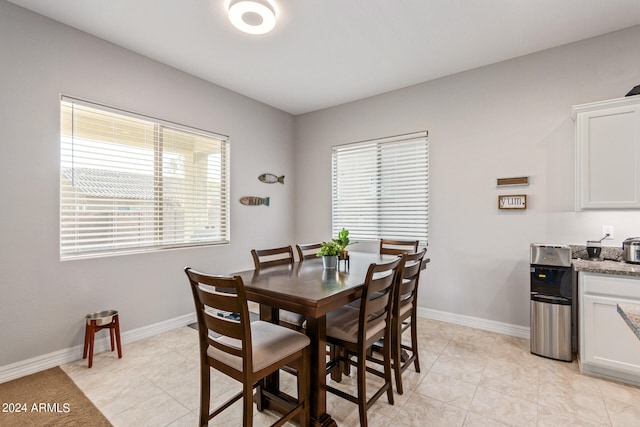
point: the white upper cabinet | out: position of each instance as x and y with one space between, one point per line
608 154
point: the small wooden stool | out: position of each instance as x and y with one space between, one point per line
107 319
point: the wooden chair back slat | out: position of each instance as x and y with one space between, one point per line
405 289
236 351
223 326
398 247
376 307
219 301
304 248
412 267
263 258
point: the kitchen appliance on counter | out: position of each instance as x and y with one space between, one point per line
594 248
631 250
553 314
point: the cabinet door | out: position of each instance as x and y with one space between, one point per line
608 156
608 341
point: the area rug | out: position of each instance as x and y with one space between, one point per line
47 398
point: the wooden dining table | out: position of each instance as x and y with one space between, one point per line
308 289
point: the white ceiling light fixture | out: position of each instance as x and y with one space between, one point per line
253 16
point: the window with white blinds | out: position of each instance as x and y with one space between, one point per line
381 188
132 183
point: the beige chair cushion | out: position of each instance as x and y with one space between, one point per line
270 344
343 324
292 318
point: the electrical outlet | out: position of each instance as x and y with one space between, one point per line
607 229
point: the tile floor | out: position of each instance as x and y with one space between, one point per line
469 378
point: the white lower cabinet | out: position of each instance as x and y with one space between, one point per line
607 346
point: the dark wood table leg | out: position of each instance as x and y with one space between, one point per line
317 332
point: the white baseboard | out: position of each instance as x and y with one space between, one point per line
60 357
475 322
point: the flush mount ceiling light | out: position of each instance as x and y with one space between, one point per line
253 16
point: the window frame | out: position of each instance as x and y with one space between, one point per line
382 199
184 178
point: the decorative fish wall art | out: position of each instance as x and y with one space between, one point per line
253 201
269 178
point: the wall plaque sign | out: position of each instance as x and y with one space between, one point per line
512 201
520 180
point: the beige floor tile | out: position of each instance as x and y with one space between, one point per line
436 344
427 357
380 407
349 385
437 327
189 420
476 334
172 371
461 369
563 372
447 390
420 411
514 380
565 398
464 347
159 410
187 393
340 409
515 351
516 342
105 365
623 414
183 340
504 408
114 397
548 417
374 419
155 364
619 392
410 381
475 420
232 416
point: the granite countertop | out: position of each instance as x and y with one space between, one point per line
631 315
619 268
610 262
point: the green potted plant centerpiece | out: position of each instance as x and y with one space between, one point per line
333 249
329 252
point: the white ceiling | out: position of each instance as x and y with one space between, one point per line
327 52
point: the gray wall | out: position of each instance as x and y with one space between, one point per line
44 300
508 119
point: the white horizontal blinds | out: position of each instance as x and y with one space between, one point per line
381 188
131 183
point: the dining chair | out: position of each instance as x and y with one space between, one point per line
271 257
398 247
308 251
245 351
352 331
265 258
404 314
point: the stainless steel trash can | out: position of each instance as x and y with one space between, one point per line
551 327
